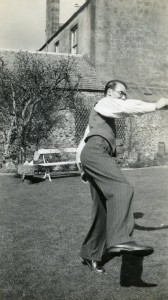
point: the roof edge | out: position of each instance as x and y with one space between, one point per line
40 52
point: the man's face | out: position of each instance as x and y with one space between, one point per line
119 92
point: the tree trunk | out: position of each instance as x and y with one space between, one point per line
8 136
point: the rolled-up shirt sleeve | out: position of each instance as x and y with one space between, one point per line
117 108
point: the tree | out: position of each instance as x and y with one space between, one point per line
32 94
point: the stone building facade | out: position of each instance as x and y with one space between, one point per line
122 39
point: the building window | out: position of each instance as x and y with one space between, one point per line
56 47
74 39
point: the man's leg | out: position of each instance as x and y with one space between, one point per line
110 180
120 221
119 195
94 243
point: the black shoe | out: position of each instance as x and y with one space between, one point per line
132 248
93 265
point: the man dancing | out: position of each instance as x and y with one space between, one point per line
112 216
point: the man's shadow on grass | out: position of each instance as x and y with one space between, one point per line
132 266
131 270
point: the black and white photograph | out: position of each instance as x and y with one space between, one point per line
83 150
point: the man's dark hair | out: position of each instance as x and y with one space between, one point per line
112 84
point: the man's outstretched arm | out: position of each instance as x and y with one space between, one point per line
117 108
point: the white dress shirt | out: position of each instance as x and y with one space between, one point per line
118 108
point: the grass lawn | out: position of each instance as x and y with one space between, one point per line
42 226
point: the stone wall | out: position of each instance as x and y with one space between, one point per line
63 135
69 131
144 135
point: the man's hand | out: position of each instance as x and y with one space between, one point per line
83 174
78 153
162 102
79 165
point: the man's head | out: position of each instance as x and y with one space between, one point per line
116 89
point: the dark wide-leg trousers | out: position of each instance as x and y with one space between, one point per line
112 215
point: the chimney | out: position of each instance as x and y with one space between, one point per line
52 17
